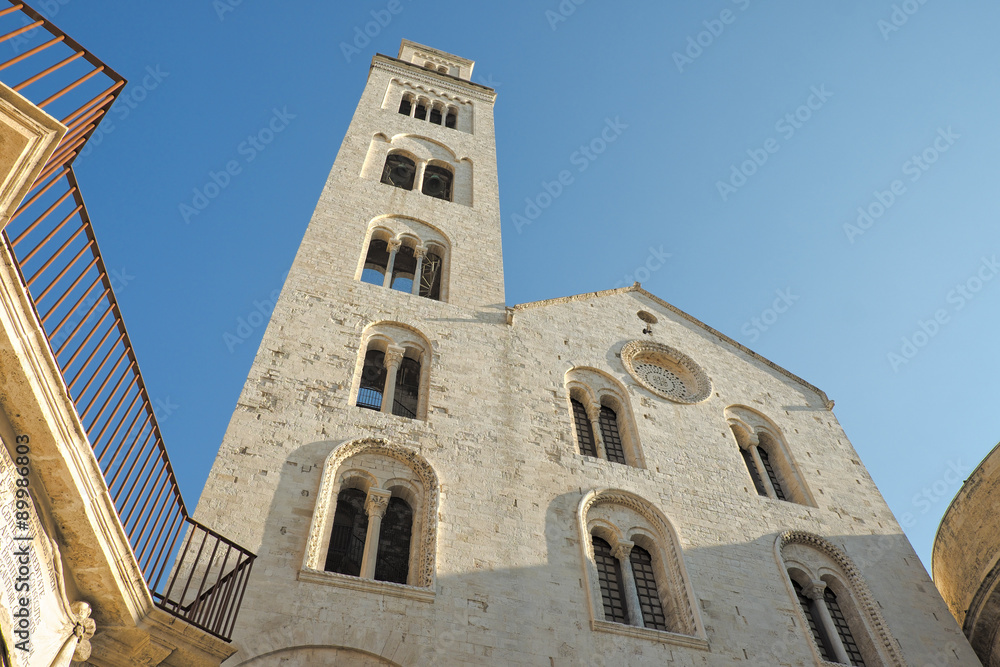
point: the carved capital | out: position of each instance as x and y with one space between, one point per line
420 251
622 550
593 412
377 502
393 356
815 590
393 244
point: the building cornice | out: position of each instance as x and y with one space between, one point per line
446 81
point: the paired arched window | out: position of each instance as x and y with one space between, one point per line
392 377
402 172
766 457
375 517
839 612
405 264
602 421
637 575
440 113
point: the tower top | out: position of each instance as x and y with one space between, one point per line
435 60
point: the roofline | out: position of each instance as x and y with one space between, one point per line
636 287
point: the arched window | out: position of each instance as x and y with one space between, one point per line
375 522
392 377
602 422
399 171
451 120
430 274
636 571
376 262
393 559
421 112
436 116
404 266
373 375
406 104
612 587
584 431
837 606
611 436
766 457
347 540
437 182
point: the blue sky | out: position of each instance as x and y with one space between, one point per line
749 134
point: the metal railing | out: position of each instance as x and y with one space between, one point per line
53 243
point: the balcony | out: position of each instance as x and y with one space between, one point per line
188 570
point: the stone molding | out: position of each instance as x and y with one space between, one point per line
315 576
424 564
884 641
400 68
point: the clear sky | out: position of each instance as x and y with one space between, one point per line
749 134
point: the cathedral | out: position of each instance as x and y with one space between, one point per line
430 476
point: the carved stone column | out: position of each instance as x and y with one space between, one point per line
815 592
375 506
393 358
752 446
419 253
594 414
622 551
393 246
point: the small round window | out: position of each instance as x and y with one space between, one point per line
666 372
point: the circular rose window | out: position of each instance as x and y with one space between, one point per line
666 372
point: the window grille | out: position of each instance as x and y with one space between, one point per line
392 561
612 438
807 608
758 483
584 431
645 585
840 622
612 590
347 540
771 474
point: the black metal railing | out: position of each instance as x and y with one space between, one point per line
369 398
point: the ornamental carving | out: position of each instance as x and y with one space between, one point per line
666 372
423 564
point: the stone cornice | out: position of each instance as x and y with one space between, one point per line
446 81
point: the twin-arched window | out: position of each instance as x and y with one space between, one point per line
768 461
602 418
393 377
403 172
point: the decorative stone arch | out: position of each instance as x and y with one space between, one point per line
397 341
810 559
411 472
614 514
752 429
463 107
595 389
423 151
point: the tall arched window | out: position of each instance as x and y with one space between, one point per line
391 377
399 171
375 521
406 104
844 623
766 456
404 266
584 431
611 436
602 419
451 120
376 262
430 274
436 116
347 539
636 570
406 255
437 182
393 559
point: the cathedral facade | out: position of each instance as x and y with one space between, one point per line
429 476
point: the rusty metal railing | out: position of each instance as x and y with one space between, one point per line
53 243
